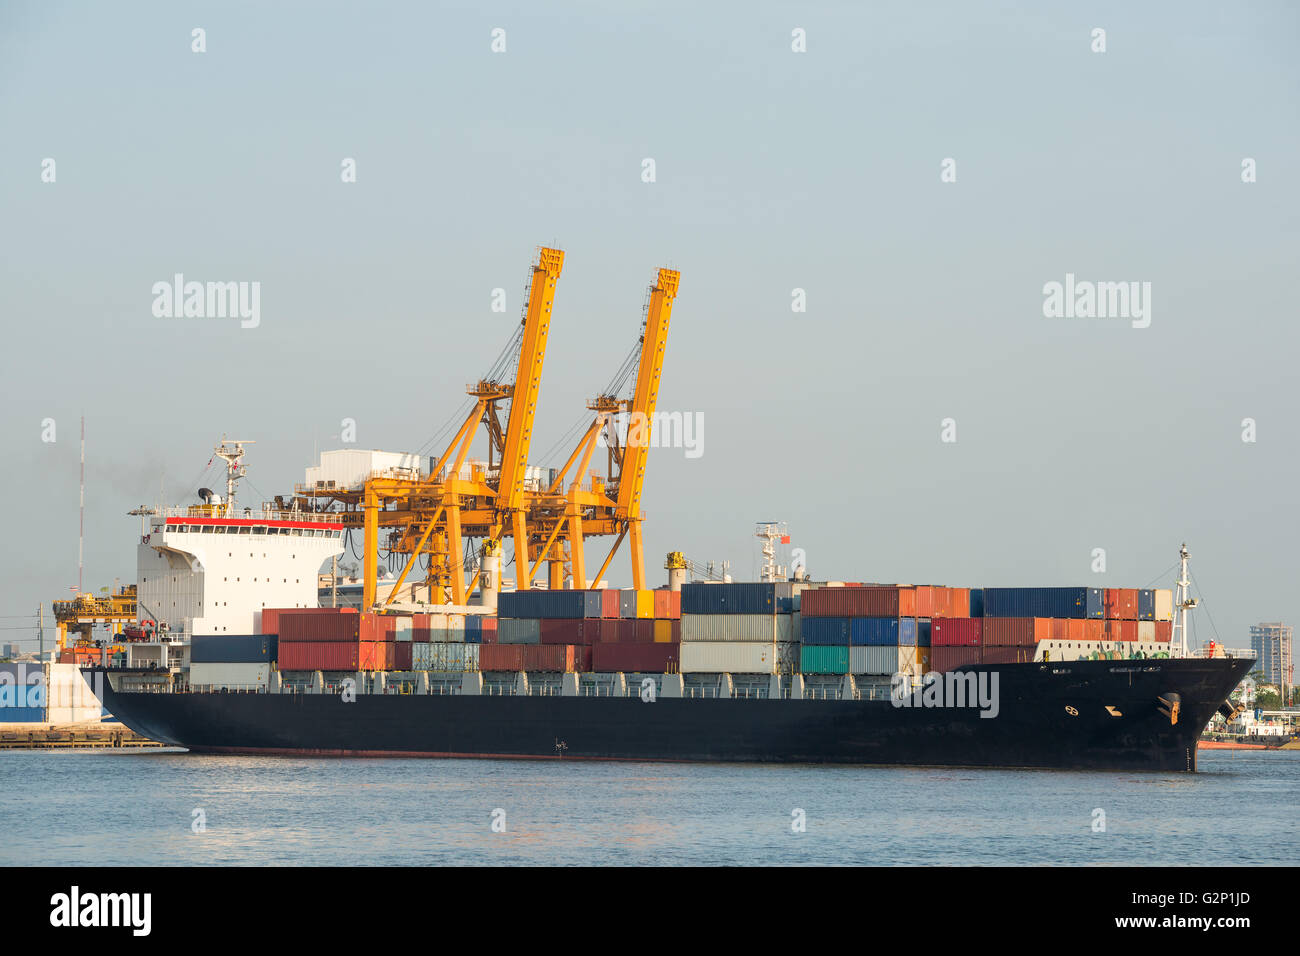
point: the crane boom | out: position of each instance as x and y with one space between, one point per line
523 401
641 417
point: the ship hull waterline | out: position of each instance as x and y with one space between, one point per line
1085 715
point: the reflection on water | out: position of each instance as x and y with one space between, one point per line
132 807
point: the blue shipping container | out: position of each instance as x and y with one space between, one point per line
1146 605
825 630
747 597
233 648
882 631
976 602
22 715
923 632
1044 602
548 604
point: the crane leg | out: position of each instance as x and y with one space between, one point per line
370 573
521 551
638 556
576 552
455 549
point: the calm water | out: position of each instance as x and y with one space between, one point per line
110 807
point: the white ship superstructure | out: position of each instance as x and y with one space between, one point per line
211 568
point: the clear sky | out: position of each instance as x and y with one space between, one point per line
775 171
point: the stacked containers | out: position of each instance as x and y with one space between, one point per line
741 627
632 630
338 639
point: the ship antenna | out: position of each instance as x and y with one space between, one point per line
770 532
232 453
1183 601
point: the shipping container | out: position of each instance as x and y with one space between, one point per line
1164 603
823 659
541 603
976 602
270 620
737 627
561 658
514 630
448 657
944 658
627 603
610 602
883 661
1164 631
501 657
823 630
1006 655
956 632
748 597
318 655
882 631
1016 631
569 630
315 625
1044 602
661 604
663 631
1146 632
644 630
736 657
656 658
924 632
645 604
232 648
489 633
1146 605
892 602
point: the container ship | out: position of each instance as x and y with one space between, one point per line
232 651
234 654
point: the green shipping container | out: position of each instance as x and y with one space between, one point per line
823 659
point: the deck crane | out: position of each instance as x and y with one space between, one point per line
613 508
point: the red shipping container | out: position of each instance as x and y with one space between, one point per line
1110 603
661 604
489 630
1007 655
402 656
674 605
1010 631
677 632
1128 604
646 658
945 659
568 630
377 627
324 624
956 632
858 602
501 657
643 631
270 621
1164 630
1121 630
548 657
319 656
610 599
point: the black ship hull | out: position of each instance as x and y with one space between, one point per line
1099 715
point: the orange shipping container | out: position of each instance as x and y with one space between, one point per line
1094 629
663 632
661 605
1076 629
959 602
1010 631
1164 630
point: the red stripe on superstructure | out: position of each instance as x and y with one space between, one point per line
268 522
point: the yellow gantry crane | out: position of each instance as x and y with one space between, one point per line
613 508
435 515
82 613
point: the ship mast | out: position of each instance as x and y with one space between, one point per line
1183 602
770 532
232 453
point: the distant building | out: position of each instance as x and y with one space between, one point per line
9 651
1271 643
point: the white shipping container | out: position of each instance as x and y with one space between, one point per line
735 657
230 675
518 630
445 656
1164 605
1147 632
751 628
883 660
402 629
